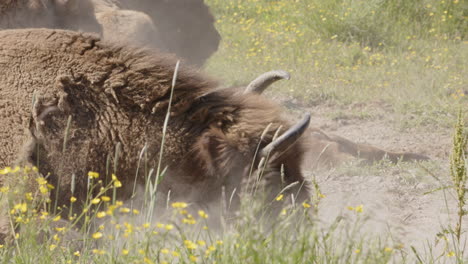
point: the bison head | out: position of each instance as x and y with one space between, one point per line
247 146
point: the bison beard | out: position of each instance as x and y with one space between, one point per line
117 95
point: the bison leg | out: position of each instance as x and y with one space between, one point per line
372 154
333 150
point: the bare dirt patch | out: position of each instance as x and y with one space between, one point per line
395 198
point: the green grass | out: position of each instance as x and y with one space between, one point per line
410 54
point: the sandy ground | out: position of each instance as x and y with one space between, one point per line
393 196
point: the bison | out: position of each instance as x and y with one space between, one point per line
92 97
186 27
64 14
133 27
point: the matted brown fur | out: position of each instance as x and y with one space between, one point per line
116 94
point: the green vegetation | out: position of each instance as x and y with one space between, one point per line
114 232
458 171
410 54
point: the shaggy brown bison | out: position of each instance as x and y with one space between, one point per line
66 14
128 26
186 26
90 97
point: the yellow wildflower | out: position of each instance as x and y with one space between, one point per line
97 235
43 189
279 197
359 208
101 214
190 245
181 205
183 212
202 214
28 196
189 221
117 184
124 210
93 174
5 170
23 207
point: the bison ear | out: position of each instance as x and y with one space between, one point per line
42 109
214 152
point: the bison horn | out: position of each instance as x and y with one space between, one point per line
288 138
263 81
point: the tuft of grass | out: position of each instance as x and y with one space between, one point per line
459 172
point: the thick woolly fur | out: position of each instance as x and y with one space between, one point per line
65 14
118 95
